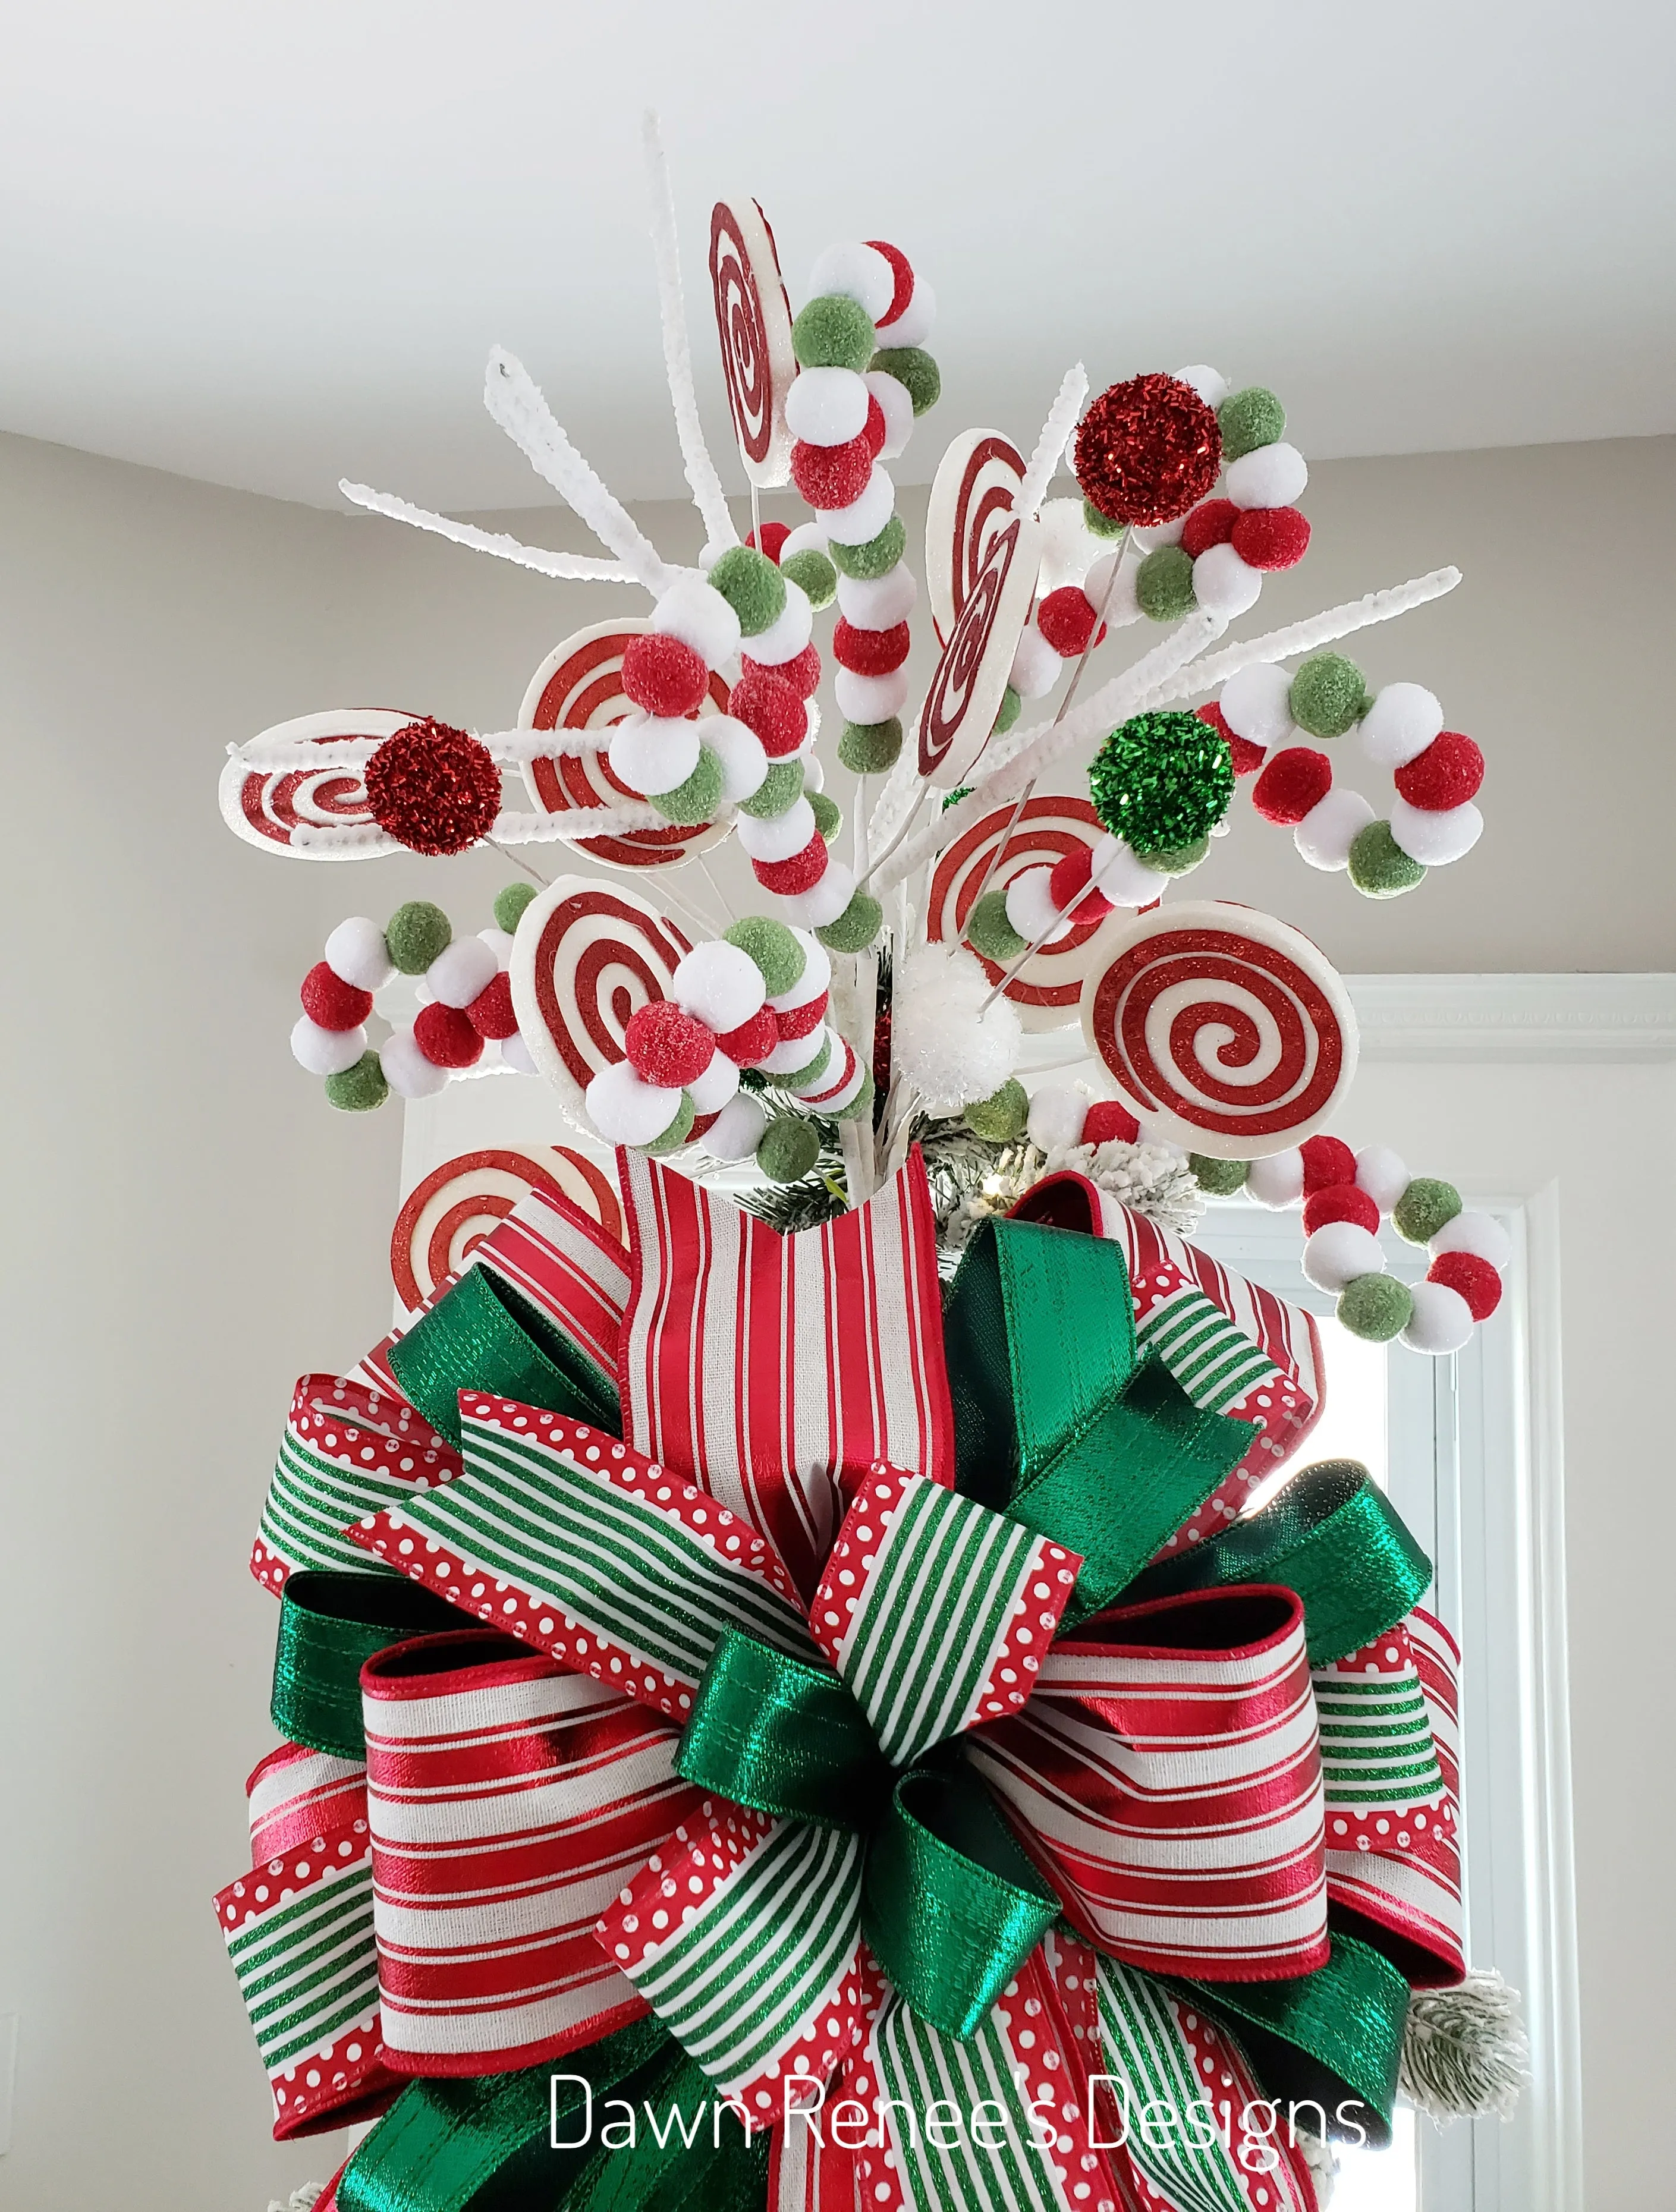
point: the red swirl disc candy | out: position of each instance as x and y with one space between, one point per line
448 1212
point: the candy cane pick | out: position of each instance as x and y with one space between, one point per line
575 567
701 470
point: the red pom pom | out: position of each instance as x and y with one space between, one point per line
1340 1201
765 702
1108 1122
801 873
802 1021
753 1039
664 675
1475 1280
1069 877
771 539
446 1037
873 428
666 1046
1327 1160
490 1013
1147 450
869 652
901 270
1247 757
802 671
832 475
1067 619
1294 782
1211 523
433 788
1446 774
1271 536
331 1003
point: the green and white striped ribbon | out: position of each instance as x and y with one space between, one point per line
1214 1362
918 2065
312 1500
308 1968
1376 1741
1141 2041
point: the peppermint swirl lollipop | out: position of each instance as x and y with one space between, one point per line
579 687
448 1214
754 324
1223 1028
973 495
310 813
1048 988
965 694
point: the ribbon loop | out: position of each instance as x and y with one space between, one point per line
485 1335
330 1624
783 1737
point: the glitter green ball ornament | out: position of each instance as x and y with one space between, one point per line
856 928
1249 419
813 574
1217 1178
698 798
990 932
678 1131
509 905
772 947
1161 782
1163 584
1102 525
1001 1117
415 933
828 818
1427 1204
782 787
1376 1307
1328 695
912 366
834 332
1007 713
752 586
357 1089
1378 866
876 558
788 1149
871 748
861 1103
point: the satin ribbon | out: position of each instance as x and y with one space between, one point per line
330 1624
484 1334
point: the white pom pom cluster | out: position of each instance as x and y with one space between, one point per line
944 1040
1062 1117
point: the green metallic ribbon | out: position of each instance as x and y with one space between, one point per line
330 1624
484 1335
1332 1536
774 1733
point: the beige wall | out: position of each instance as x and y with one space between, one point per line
191 1229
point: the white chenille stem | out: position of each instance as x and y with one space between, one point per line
508 748
517 405
1055 436
574 567
578 822
707 494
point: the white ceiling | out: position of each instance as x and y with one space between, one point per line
269 246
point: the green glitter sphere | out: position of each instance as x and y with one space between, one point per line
782 787
834 332
861 1103
814 575
876 558
1161 782
856 928
772 947
870 748
829 816
1178 860
1217 1178
1101 525
1163 584
990 932
752 586
913 366
1427 1204
1376 1307
1007 713
509 905
1249 419
1328 695
1379 867
1000 1117
416 933
698 798
357 1089
678 1131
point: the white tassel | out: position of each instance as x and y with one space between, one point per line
1055 436
1323 2164
701 470
574 567
941 1043
1464 2050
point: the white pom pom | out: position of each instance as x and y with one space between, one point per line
792 1053
824 902
779 838
1256 704
1223 584
718 985
816 974
826 407
814 775
1272 476
869 698
1476 1233
788 634
1442 1321
326 1052
739 750
1380 1173
627 1111
1031 907
356 954
1122 878
1278 1181
855 271
1159 534
696 613
1436 839
406 1069
895 404
1056 1116
1036 666
1210 383
1339 1252
1328 830
1118 605
950 1053
499 942
914 324
864 518
461 971
807 538
1400 723
878 602
1068 545
517 1055
737 1129
711 1091
653 753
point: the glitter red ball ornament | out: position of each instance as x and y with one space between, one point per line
753 1039
446 1038
664 675
1211 523
1470 1278
1340 1201
331 1003
832 475
1066 619
1109 1123
1327 1160
802 671
1271 537
1069 878
1247 757
490 1013
1147 451
666 1046
869 652
789 878
1446 774
1294 782
771 539
433 788
765 702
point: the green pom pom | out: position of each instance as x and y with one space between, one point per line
801 1078
1011 702
990 932
1328 695
782 787
1161 783
834 332
773 948
1179 860
1376 1307
1000 1117
856 928
678 1131
1098 525
1379 867
814 575
789 1148
870 748
698 798
914 366
1163 584
829 816
1249 419
876 558
861 1103
509 906
1217 1178
1427 1204
357 1089
416 933
752 586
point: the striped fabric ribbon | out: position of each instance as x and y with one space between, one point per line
509 1803
563 1537
298 1930
1165 1775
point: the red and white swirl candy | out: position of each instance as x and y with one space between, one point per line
1222 1029
754 324
310 812
448 1212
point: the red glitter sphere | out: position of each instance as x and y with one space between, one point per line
666 1046
1470 1278
764 702
789 878
1147 451
870 652
1066 619
1446 774
331 1003
433 788
753 1039
1247 757
1294 782
446 1036
832 475
664 675
1108 1122
1340 1201
1070 876
801 1021
802 671
771 540
491 1012
873 428
1328 1162
1271 537
1211 523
